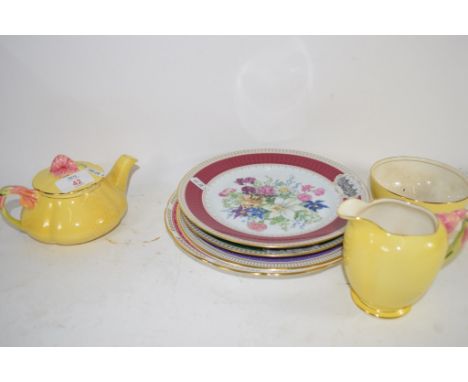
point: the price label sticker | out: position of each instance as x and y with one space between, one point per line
74 181
197 182
95 172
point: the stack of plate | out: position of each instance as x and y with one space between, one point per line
263 212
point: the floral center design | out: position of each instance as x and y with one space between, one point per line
262 203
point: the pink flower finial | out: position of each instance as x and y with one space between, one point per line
62 166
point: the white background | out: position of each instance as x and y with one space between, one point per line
175 101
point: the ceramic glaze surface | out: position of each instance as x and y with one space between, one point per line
78 219
389 272
272 200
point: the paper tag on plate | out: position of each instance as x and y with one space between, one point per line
197 182
74 181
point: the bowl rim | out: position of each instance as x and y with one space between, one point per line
445 166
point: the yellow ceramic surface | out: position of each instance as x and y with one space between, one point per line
430 184
53 216
392 252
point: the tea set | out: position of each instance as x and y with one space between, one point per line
276 213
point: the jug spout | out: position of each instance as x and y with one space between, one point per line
351 209
118 176
390 215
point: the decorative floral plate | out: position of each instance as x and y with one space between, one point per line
206 258
259 252
269 198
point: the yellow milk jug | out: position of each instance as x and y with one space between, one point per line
392 252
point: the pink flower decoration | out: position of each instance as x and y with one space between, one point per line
62 166
242 181
304 197
266 191
307 187
227 191
462 214
248 190
450 220
319 191
257 226
28 197
465 236
249 180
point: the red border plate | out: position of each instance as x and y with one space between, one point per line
194 185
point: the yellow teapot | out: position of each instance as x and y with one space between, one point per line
71 202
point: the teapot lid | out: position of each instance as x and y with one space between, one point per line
65 176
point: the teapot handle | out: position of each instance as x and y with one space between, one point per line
28 199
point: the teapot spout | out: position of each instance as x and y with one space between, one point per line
351 209
120 173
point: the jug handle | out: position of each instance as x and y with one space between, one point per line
459 240
28 199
